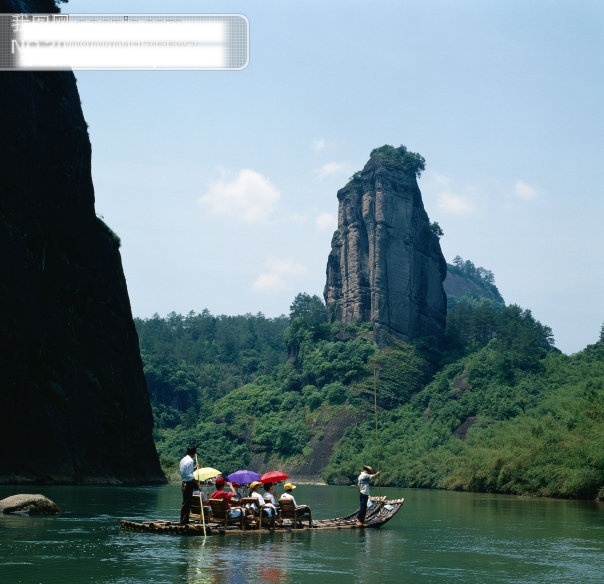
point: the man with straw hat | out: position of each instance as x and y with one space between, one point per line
288 494
266 508
363 483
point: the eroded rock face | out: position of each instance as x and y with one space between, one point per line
385 265
73 396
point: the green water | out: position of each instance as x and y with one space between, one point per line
436 537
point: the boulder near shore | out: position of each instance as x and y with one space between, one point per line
29 505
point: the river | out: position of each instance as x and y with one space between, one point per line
437 536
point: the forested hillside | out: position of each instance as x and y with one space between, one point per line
494 421
497 409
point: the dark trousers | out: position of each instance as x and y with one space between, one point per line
187 498
363 507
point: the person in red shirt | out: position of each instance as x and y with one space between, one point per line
220 493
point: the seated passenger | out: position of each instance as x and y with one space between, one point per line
204 499
267 508
269 494
300 509
220 493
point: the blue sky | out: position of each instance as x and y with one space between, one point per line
222 185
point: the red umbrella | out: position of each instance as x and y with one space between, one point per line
273 476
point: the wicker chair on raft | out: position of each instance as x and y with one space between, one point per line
220 514
291 512
259 517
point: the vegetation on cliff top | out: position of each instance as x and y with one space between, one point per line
400 157
396 158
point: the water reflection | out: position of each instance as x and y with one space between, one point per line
237 559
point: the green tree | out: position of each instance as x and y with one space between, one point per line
436 229
307 323
410 161
309 309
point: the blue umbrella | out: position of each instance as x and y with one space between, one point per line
243 477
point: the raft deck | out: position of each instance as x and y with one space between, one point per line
380 512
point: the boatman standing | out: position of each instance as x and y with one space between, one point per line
363 483
189 484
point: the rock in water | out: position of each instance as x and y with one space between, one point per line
386 266
29 504
73 396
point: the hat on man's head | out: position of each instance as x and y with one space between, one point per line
236 484
367 468
220 482
254 484
289 486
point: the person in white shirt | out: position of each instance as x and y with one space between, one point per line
363 483
269 494
301 509
266 507
189 484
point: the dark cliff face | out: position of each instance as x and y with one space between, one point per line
385 265
72 392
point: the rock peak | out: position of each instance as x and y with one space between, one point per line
385 265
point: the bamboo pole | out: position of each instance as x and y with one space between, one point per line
377 436
201 515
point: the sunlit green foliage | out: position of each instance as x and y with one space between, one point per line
505 411
476 427
399 373
519 340
227 384
400 156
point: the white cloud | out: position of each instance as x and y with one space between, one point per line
277 275
448 198
318 145
325 222
452 203
298 218
438 180
330 168
284 266
269 283
249 197
525 191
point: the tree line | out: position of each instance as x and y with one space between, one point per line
498 408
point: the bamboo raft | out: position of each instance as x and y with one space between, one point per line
378 514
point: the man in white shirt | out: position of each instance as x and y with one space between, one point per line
265 507
189 484
363 483
288 494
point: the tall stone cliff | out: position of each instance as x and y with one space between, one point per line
385 265
73 399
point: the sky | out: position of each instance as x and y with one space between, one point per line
222 185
